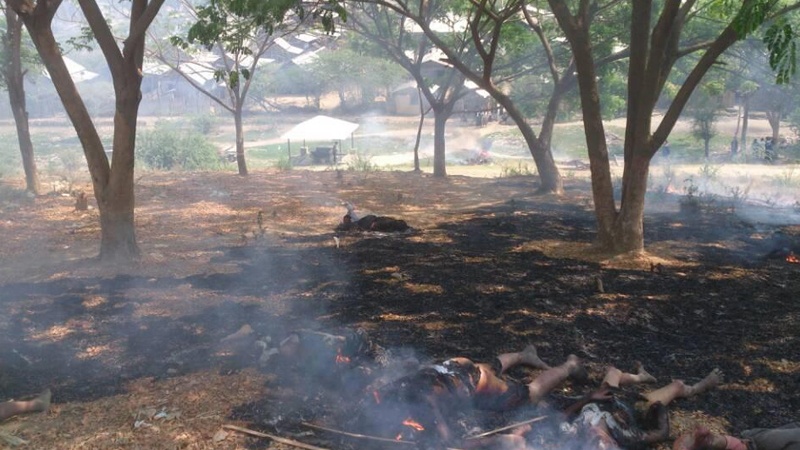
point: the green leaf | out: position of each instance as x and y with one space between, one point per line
781 41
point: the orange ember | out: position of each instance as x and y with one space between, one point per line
410 423
792 258
341 359
413 424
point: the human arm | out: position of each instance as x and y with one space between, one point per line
601 394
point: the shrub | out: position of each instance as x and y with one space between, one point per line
202 124
361 163
70 167
166 149
521 170
787 177
283 164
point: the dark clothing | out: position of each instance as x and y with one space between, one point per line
786 437
373 223
627 427
342 362
347 347
434 397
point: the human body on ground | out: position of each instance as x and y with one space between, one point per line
13 408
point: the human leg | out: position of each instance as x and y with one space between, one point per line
13 408
615 378
553 377
527 357
678 389
495 393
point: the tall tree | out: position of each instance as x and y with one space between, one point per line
654 46
355 74
476 52
238 43
413 51
704 109
13 73
241 31
746 92
112 182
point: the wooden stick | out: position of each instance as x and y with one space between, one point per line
509 427
365 436
360 436
273 437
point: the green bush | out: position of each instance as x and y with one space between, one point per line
166 149
202 124
283 164
522 169
361 163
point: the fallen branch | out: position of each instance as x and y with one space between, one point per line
273 437
359 436
509 427
364 436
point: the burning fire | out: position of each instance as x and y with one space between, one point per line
410 423
413 424
341 359
792 258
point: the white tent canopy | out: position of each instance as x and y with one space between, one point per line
78 73
321 128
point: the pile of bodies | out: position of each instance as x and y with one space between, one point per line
430 404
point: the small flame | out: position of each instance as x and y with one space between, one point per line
409 423
792 258
413 424
341 359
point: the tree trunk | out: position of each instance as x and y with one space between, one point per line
237 119
118 236
554 182
419 132
774 119
602 185
117 200
653 52
549 176
706 143
628 231
15 83
738 120
440 117
112 184
745 117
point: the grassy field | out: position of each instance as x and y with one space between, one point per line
386 143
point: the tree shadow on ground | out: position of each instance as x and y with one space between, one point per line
467 287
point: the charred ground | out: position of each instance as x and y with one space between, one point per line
488 268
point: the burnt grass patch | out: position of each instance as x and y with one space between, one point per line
469 287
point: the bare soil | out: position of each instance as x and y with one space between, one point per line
137 356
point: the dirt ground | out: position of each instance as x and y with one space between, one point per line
141 357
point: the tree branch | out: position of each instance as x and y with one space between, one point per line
103 35
144 21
